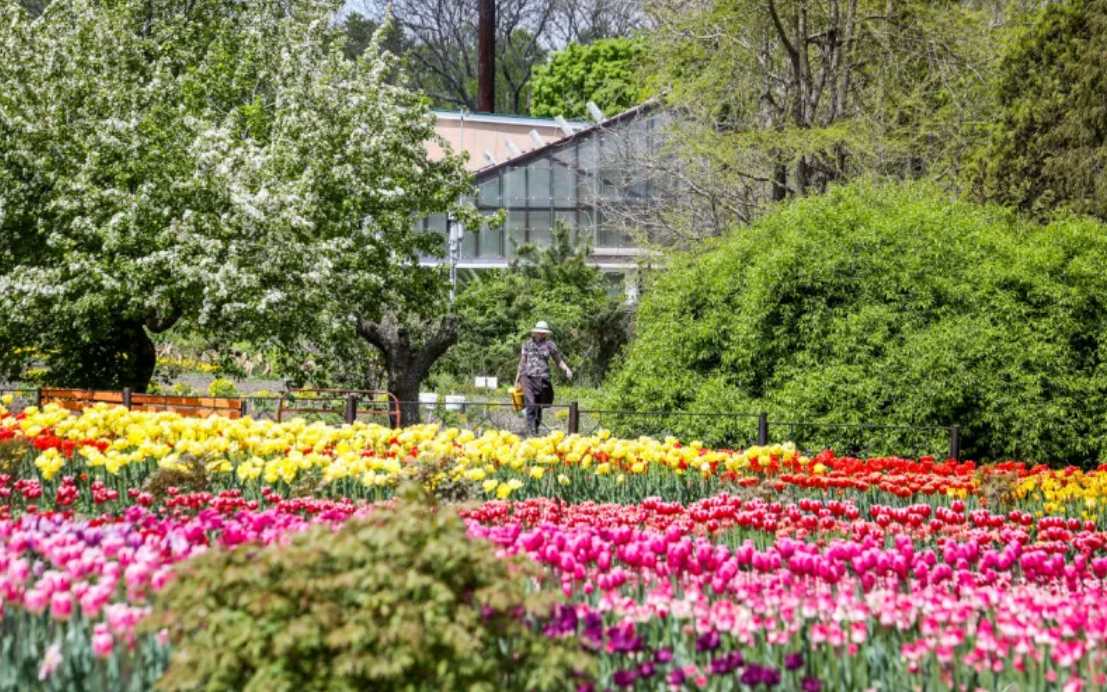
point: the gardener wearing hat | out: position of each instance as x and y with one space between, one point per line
534 373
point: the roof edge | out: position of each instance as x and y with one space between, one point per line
527 156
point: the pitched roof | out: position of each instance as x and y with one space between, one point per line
528 156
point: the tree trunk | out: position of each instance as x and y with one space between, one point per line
407 365
143 356
125 357
780 182
405 386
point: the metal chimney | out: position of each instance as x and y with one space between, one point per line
486 56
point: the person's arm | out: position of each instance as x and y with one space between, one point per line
561 363
519 372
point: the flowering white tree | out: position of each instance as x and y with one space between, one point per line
212 162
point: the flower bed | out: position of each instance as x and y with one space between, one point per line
678 567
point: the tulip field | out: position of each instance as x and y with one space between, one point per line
676 566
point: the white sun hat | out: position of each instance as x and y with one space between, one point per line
541 328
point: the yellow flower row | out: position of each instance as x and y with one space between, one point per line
370 454
1057 490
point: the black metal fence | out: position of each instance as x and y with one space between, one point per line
20 398
721 430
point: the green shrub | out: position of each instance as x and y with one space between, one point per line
401 600
184 389
885 304
223 388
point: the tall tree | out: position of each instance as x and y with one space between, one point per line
779 98
444 36
360 31
585 21
604 72
1049 146
216 164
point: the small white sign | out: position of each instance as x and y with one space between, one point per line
486 382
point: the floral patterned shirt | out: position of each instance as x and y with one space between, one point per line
538 355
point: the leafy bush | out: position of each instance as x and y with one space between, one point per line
401 600
878 304
223 388
184 389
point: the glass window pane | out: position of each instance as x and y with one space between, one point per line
538 184
586 232
490 192
515 188
468 244
607 236
436 223
565 177
489 243
540 224
586 179
516 230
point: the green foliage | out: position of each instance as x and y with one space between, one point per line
1049 145
401 600
553 283
602 72
219 166
359 31
887 304
185 389
223 388
780 99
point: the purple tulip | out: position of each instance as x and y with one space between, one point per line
719 666
793 661
751 676
708 642
812 685
625 678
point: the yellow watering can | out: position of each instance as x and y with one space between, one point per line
516 397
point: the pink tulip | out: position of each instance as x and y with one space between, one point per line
102 641
61 606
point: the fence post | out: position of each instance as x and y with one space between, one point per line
243 407
954 442
38 397
574 418
351 408
127 398
763 429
